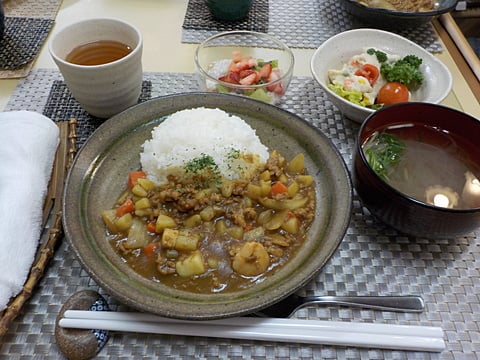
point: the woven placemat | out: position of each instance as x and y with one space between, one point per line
198 17
62 105
27 25
308 23
22 41
372 259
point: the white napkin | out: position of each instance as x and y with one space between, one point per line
28 142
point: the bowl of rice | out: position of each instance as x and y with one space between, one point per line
159 137
246 63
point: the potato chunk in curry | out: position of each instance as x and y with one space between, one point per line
209 234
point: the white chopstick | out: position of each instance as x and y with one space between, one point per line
423 331
386 336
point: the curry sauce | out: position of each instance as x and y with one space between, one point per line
204 234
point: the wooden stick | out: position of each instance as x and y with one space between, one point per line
72 142
63 159
456 34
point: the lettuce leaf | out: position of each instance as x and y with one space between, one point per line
355 97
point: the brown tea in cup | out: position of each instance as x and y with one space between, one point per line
98 52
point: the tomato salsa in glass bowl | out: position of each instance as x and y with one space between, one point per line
363 70
245 63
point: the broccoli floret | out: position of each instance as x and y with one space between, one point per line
381 56
413 60
405 71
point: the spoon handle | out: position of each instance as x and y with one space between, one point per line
408 303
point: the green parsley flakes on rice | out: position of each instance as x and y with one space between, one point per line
194 138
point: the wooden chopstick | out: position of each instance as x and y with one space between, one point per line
54 178
461 42
63 159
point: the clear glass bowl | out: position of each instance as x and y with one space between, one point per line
214 57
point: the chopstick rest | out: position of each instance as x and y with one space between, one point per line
28 142
82 344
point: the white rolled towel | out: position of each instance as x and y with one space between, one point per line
28 142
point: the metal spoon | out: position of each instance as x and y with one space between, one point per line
288 306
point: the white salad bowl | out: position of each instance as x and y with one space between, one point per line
337 50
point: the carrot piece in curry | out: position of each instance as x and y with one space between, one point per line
279 188
149 250
126 207
151 226
133 176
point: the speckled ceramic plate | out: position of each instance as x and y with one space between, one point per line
98 175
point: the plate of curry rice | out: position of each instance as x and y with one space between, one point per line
205 238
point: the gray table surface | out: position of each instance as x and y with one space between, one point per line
372 259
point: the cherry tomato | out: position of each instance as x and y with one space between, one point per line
370 72
392 93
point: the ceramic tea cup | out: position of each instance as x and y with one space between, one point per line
101 62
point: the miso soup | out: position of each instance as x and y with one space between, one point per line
427 164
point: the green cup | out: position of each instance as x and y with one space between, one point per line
229 10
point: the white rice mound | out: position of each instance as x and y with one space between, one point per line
192 133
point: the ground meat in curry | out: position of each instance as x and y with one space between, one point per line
205 234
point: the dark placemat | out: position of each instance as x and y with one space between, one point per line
61 105
372 259
308 23
22 41
198 17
